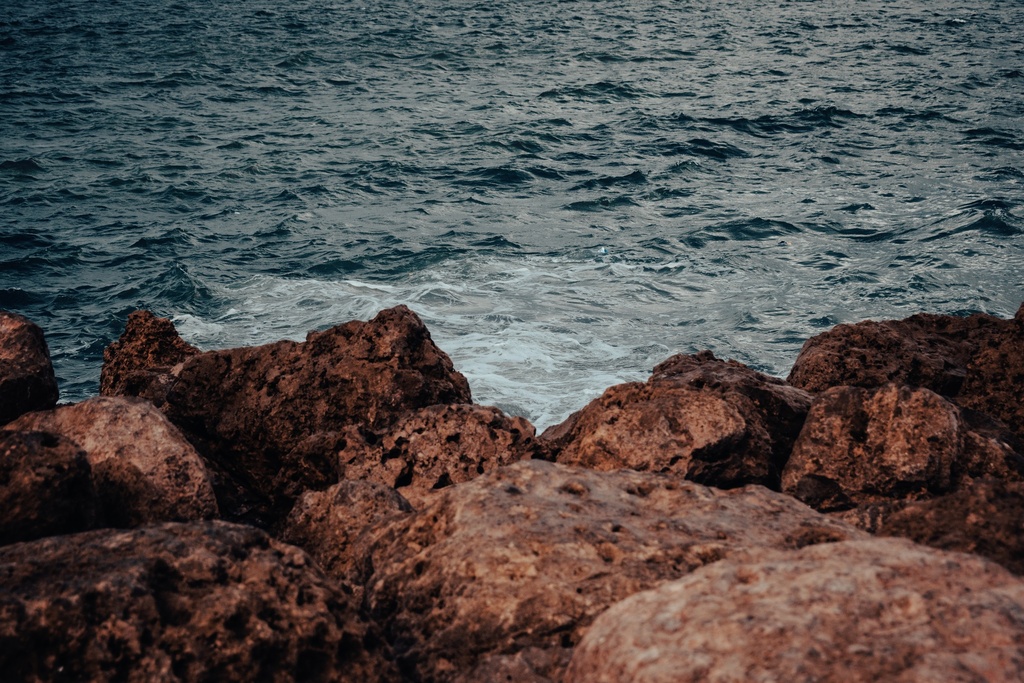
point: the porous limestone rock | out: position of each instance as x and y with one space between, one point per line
877 610
27 381
46 487
715 422
144 469
505 573
995 377
199 601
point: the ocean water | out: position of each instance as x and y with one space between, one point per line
566 192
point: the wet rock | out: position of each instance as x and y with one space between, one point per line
330 526
715 422
145 361
985 517
861 446
27 381
437 446
505 572
45 487
995 377
177 602
144 469
924 350
878 610
249 411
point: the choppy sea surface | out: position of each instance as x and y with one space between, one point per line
566 192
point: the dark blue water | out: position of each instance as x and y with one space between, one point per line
567 192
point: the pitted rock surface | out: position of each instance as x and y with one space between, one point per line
27 381
522 559
877 610
144 469
202 601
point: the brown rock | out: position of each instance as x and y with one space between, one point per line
924 350
878 610
177 602
144 469
330 526
715 422
861 446
522 559
145 360
435 447
985 517
249 411
45 487
995 378
27 381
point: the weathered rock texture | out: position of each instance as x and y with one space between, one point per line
715 422
867 445
144 469
879 610
506 572
27 381
995 377
436 447
45 487
145 360
250 410
177 602
924 350
985 517
330 525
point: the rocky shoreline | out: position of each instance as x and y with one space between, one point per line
339 509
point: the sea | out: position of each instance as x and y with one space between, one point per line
567 192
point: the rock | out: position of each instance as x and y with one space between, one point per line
985 517
924 350
177 602
878 610
861 446
995 378
45 487
145 360
715 422
144 469
249 410
435 447
27 381
330 526
506 572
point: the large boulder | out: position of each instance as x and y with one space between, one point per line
862 446
435 447
144 469
145 360
504 573
878 610
924 350
203 601
46 487
995 377
248 410
715 422
27 381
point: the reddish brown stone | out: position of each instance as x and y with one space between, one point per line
715 422
925 350
204 601
995 378
504 573
861 446
144 469
27 381
145 360
876 610
45 487
435 447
